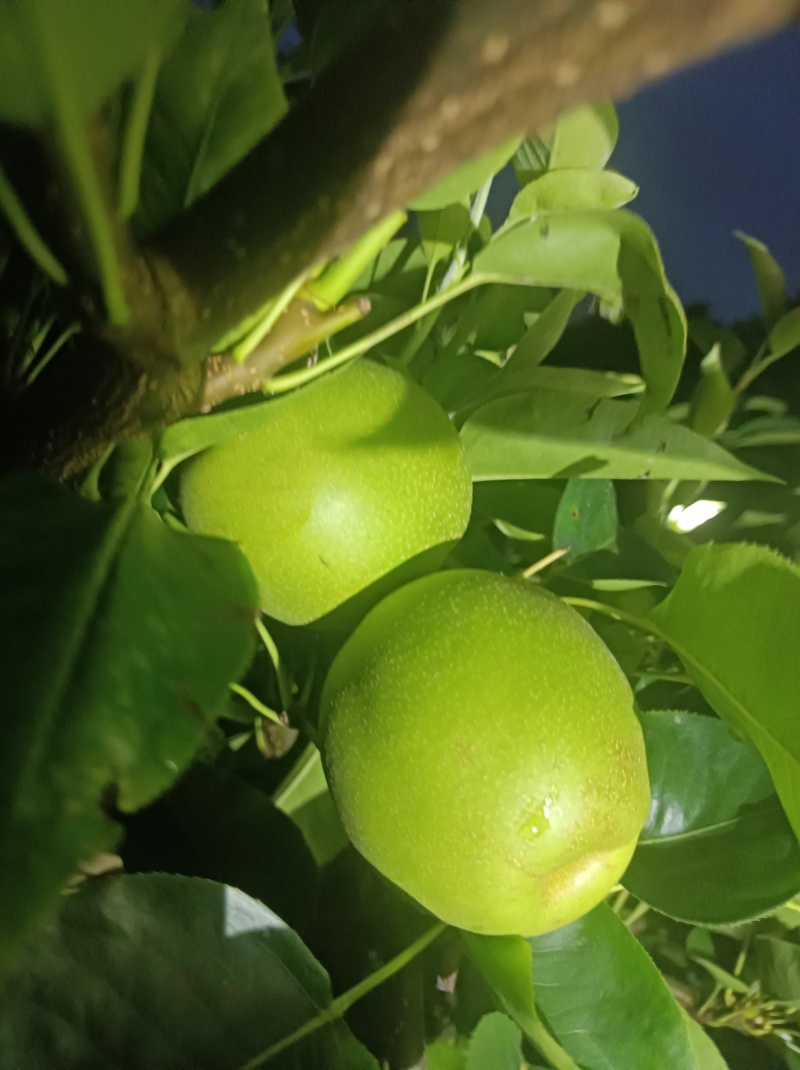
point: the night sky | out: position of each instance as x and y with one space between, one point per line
717 149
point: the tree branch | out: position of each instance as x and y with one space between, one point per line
430 85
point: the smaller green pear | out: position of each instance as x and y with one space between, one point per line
349 478
483 752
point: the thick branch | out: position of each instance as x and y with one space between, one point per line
431 85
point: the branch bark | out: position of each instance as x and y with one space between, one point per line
429 86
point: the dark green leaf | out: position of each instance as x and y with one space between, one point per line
717 847
769 275
336 24
573 189
466 180
496 1044
615 256
585 137
119 639
605 1001
543 434
140 972
778 968
586 520
220 827
65 57
218 93
733 618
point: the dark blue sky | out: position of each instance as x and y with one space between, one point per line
717 149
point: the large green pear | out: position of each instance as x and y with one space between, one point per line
483 752
348 479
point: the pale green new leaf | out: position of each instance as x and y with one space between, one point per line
585 137
615 256
466 179
573 189
769 275
733 618
543 435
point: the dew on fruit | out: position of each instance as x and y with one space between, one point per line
537 821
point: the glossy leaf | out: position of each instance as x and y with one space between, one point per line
218 93
571 189
769 275
120 639
496 1044
586 520
466 179
139 972
544 434
605 1001
68 56
733 618
615 256
717 848
585 137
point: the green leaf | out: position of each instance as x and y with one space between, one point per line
541 338
615 256
187 437
442 230
714 399
120 638
218 93
586 520
733 618
544 435
723 978
505 962
496 1044
717 847
466 179
585 137
705 1051
443 1057
80 51
605 1001
571 189
785 335
304 796
219 827
778 967
336 24
769 275
139 972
